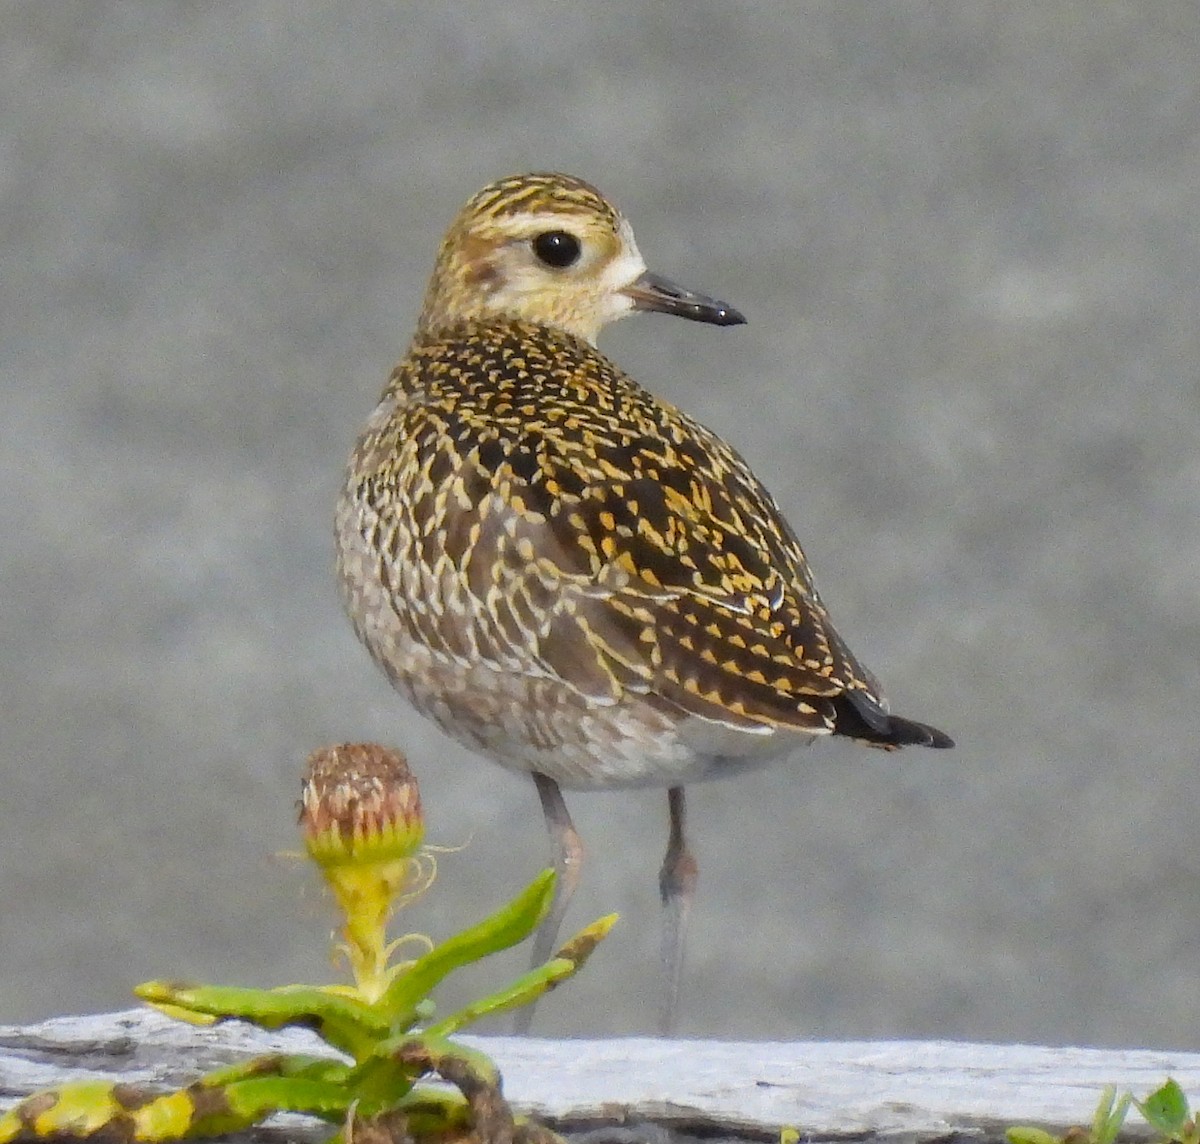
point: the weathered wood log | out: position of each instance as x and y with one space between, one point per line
671 1090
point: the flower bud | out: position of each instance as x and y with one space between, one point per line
360 803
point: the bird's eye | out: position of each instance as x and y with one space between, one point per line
557 248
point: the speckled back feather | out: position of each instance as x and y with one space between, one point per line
578 526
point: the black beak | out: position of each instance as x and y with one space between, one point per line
653 292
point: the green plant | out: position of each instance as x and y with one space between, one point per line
1165 1110
362 822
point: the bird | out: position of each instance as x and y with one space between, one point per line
567 574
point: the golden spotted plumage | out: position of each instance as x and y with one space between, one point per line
609 539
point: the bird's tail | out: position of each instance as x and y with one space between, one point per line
861 717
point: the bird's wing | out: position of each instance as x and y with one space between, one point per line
646 560
680 576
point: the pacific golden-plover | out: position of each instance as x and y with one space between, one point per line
565 573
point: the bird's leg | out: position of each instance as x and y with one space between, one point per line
568 862
677 884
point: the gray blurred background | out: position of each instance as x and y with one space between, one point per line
966 238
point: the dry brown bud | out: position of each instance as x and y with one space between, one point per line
360 802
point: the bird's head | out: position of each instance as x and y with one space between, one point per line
550 249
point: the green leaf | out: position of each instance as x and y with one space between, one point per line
584 943
386 1079
1027 1135
380 1083
344 1022
528 987
277 1064
428 1114
566 963
77 1109
245 1103
1107 1120
432 1111
1166 1109
509 925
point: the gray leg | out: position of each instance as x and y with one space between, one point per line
568 863
677 884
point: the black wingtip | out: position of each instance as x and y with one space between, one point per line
860 717
938 739
929 736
